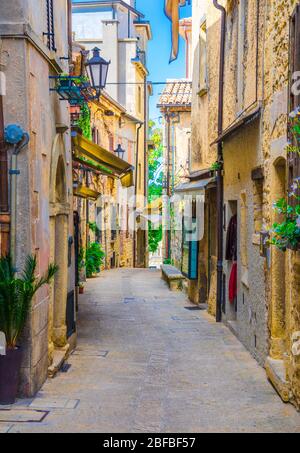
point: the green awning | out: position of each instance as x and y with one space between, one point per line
107 162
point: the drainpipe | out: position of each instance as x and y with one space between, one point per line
168 231
146 124
70 32
14 172
136 191
4 170
220 178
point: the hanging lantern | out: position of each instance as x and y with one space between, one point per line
97 69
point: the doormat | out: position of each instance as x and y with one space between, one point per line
22 416
198 308
89 353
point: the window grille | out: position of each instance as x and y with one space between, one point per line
50 26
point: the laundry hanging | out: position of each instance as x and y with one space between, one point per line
231 242
233 284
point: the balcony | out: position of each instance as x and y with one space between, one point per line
141 58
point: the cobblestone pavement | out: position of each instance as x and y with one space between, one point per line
146 364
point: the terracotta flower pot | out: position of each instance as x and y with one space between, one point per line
10 366
81 290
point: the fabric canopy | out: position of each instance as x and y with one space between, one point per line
189 192
194 186
172 12
110 162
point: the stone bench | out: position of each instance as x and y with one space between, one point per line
172 276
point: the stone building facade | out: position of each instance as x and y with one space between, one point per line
108 217
175 106
123 34
264 310
282 274
35 40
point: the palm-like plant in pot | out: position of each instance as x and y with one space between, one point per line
16 295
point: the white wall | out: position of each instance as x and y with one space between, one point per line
88 26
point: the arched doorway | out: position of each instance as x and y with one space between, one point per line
59 232
278 282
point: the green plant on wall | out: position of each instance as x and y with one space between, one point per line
94 227
84 121
216 166
94 258
286 234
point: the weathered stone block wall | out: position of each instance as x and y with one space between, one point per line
274 150
30 104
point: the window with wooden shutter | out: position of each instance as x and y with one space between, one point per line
111 142
50 26
294 101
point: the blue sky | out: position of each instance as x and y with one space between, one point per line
160 48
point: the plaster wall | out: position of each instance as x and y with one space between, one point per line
29 103
249 319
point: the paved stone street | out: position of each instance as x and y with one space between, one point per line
145 363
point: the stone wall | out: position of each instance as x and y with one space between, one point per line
29 103
282 281
267 319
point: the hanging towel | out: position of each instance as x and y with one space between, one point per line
172 12
231 242
233 284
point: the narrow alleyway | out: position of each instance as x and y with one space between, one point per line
145 363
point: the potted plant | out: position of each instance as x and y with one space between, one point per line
94 259
16 294
81 288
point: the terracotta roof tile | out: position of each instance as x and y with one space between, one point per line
177 92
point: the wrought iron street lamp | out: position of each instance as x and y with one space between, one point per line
97 69
120 152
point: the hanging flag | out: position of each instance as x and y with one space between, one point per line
172 12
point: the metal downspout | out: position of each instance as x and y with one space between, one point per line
3 165
168 231
220 178
145 163
136 191
14 172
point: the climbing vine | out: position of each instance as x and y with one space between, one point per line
84 121
286 234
